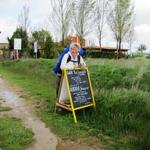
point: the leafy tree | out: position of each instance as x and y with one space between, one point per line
40 36
23 18
44 42
49 47
101 15
10 43
60 18
142 47
83 18
19 33
120 21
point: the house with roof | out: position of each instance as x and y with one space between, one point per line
96 51
3 46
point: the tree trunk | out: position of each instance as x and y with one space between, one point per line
119 47
100 41
63 38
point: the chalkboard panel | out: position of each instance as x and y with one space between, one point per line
79 87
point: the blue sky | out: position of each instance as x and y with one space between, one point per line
39 11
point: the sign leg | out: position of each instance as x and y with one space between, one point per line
74 116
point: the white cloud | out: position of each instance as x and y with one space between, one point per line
39 11
142 12
142 5
143 35
38 14
6 27
143 29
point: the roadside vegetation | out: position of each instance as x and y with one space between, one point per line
121 89
13 136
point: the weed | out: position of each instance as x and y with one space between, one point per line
13 136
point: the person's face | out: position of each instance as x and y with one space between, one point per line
74 52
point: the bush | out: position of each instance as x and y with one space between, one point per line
109 77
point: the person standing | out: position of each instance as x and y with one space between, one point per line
70 60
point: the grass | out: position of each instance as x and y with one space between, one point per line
5 109
13 136
122 97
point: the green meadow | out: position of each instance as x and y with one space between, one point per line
122 94
13 135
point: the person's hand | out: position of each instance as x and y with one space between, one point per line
83 66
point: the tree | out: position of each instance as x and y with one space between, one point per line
10 43
44 42
60 17
49 47
102 11
22 34
120 21
83 18
19 33
23 18
142 47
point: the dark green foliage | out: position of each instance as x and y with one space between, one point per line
13 136
144 84
20 33
92 54
144 142
142 47
120 108
109 77
44 43
11 43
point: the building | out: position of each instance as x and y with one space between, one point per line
96 51
3 46
111 52
76 39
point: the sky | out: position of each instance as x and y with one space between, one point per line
40 10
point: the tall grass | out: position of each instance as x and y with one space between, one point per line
122 97
13 136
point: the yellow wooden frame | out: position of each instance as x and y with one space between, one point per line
70 98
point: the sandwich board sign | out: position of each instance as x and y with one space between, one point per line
35 47
17 44
17 47
75 88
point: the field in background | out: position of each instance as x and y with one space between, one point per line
121 89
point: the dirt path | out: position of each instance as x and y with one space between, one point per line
44 138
